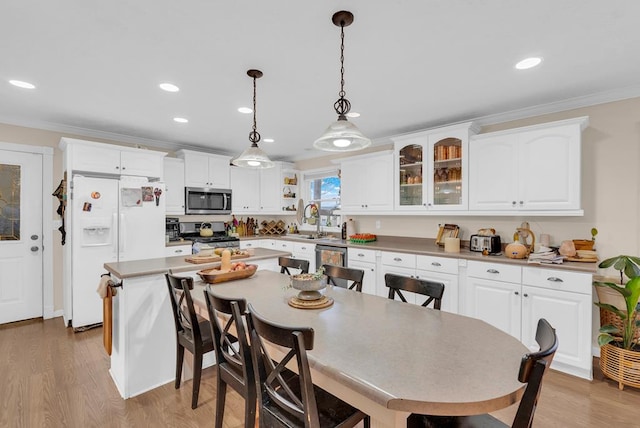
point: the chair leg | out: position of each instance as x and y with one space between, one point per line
250 409
221 394
179 360
367 422
197 374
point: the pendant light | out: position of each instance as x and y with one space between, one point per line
253 157
342 135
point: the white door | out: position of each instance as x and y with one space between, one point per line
497 303
493 173
20 236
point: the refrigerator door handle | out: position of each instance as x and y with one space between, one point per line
114 224
123 234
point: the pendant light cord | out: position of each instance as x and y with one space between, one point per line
342 106
254 136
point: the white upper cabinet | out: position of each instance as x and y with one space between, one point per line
174 185
260 191
99 158
205 169
432 169
245 183
527 169
367 183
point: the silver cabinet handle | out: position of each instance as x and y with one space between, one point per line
360 255
554 279
397 259
526 295
516 293
177 251
493 271
513 203
435 264
34 249
303 248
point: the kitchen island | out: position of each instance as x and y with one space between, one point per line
143 353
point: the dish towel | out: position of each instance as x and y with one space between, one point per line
104 283
106 291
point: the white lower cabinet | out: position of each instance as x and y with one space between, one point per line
177 250
513 299
398 264
365 260
444 270
305 251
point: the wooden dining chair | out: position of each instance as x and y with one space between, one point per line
334 273
532 369
289 399
433 290
288 262
192 331
233 354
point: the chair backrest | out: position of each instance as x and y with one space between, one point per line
184 313
433 290
532 369
272 374
334 272
234 310
287 262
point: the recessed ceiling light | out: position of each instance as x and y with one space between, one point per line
245 110
528 63
180 120
353 114
169 87
268 140
21 84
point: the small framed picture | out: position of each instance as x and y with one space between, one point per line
147 194
447 231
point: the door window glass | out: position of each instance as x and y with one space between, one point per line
9 202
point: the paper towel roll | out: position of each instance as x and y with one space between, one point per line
351 228
451 245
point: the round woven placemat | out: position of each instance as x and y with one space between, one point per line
323 302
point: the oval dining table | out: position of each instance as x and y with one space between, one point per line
390 358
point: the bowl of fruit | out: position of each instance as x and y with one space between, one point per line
309 284
238 270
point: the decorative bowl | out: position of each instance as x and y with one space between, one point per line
308 285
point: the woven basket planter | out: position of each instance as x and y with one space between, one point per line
620 365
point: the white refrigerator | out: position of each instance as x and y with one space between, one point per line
112 220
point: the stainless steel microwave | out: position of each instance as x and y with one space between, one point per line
200 200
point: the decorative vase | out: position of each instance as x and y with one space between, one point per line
621 365
308 286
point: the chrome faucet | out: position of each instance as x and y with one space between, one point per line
319 232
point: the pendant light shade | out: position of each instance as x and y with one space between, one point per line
253 157
342 135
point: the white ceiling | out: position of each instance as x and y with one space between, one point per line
409 65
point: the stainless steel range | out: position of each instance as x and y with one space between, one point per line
218 236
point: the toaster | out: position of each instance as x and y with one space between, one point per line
480 243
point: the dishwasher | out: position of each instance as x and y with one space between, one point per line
330 255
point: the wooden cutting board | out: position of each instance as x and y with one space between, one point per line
212 259
582 259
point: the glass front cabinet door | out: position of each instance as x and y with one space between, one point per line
432 169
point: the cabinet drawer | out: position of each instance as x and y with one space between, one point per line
249 244
304 248
555 279
359 255
283 245
180 250
399 259
437 264
494 271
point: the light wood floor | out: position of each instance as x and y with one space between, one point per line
52 377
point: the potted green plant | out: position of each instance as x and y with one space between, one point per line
620 323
